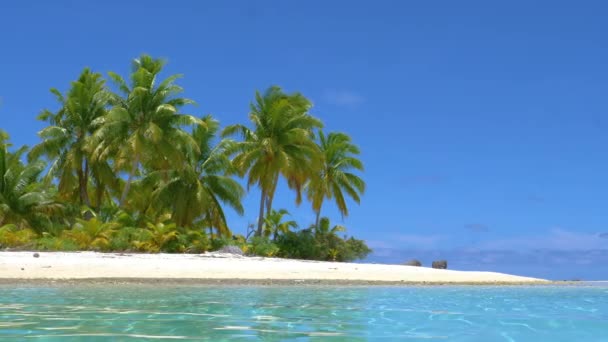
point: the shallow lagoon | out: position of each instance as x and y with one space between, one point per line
449 313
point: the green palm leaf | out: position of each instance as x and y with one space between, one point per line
279 144
144 129
334 178
64 143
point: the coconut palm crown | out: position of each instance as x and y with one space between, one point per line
280 143
336 178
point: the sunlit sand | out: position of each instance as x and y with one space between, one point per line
216 266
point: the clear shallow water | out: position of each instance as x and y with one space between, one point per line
129 313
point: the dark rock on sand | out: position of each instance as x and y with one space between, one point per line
441 264
231 250
36 255
413 262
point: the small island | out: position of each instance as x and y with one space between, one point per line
120 168
121 173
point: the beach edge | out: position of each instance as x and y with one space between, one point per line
226 269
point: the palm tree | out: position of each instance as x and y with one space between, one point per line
335 177
64 142
327 239
324 229
144 126
202 184
92 234
24 201
280 143
273 224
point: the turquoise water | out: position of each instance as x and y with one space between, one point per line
129 313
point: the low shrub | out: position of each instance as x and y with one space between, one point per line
13 237
262 246
305 244
56 243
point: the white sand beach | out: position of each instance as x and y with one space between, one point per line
216 266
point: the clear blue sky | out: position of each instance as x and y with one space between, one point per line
482 123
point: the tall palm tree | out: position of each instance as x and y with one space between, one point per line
64 141
335 178
144 126
24 201
280 143
273 223
202 183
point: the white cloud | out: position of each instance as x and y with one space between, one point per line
429 241
376 244
344 98
556 239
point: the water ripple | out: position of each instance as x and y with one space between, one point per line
290 313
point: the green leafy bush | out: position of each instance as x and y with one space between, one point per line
298 245
92 234
192 241
12 237
219 242
305 244
262 246
353 249
56 243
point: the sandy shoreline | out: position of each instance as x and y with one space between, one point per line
213 268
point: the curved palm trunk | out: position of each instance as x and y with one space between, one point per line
318 216
269 199
270 196
86 182
125 191
83 181
99 189
266 201
261 214
98 198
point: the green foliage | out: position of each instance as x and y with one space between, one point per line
126 170
299 245
11 237
162 237
24 201
334 178
193 241
92 234
202 184
353 249
64 142
239 240
49 242
280 143
321 243
274 225
222 241
144 126
122 240
262 246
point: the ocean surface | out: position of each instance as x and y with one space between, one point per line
249 313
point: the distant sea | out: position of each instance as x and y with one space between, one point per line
254 313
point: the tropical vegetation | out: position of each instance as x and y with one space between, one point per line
121 167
